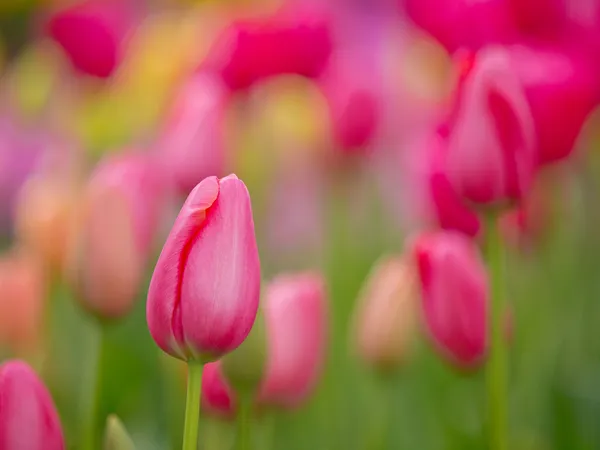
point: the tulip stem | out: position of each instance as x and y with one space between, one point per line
243 423
94 388
192 406
497 366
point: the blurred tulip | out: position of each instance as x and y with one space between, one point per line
28 418
92 33
295 308
44 218
462 23
294 40
116 436
386 315
562 88
455 296
192 143
217 397
490 134
204 293
22 302
120 215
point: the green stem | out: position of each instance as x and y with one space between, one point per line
497 365
243 424
192 406
94 388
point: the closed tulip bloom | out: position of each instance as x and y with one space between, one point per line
113 240
192 143
92 33
293 40
28 418
204 293
386 316
296 318
490 134
454 290
22 302
217 397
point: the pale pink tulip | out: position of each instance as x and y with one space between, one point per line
204 293
217 397
295 39
192 142
386 316
120 214
490 134
28 418
454 289
296 317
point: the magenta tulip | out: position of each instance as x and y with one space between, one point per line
562 87
293 40
92 33
296 318
204 293
454 293
192 143
28 418
217 397
490 135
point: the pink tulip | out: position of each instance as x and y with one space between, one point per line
490 134
217 397
28 418
204 293
192 143
455 295
293 40
463 23
92 33
541 18
562 88
296 319
120 217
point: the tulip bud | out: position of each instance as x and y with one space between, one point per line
193 141
386 316
244 367
22 295
116 436
454 293
294 40
92 33
28 418
296 319
44 217
217 397
490 132
204 293
117 226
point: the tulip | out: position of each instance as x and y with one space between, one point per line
295 315
454 293
28 418
92 34
204 293
293 40
192 142
386 316
490 132
562 88
217 396
22 295
118 225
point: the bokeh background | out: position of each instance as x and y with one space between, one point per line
331 160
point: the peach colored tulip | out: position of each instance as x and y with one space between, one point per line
295 308
22 300
204 293
28 418
454 290
385 321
